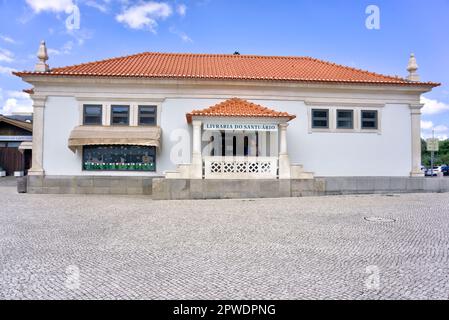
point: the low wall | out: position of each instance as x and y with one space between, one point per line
90 185
227 189
367 185
164 189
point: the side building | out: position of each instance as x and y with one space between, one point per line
15 144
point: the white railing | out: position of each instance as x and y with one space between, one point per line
240 167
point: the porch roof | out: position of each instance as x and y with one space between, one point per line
110 135
236 107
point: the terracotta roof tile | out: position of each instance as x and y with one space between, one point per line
224 67
29 91
236 107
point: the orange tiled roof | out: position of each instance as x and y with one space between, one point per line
224 66
236 107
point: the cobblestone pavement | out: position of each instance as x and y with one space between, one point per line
109 247
10 182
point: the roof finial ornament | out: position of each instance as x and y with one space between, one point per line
412 68
42 55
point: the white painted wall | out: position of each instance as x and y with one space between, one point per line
61 115
174 125
387 153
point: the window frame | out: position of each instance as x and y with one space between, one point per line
111 120
320 118
337 119
375 120
139 116
85 106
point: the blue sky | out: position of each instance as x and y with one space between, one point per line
327 29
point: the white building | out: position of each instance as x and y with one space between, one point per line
153 115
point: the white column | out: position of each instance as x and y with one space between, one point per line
38 136
283 138
415 111
196 170
284 161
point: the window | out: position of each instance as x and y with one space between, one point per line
369 119
245 146
320 118
147 115
119 115
92 114
13 144
345 119
119 158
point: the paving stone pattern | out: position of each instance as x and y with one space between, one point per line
132 247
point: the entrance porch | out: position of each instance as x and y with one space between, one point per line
237 139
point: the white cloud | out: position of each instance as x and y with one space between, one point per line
428 135
426 125
18 95
99 6
7 39
14 105
439 136
433 106
80 35
145 15
53 52
440 131
51 5
6 70
441 128
17 102
184 37
181 9
6 55
65 49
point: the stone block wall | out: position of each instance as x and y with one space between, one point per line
370 185
166 189
90 185
219 189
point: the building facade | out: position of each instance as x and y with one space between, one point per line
200 116
15 145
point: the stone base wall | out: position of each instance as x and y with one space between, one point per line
90 185
166 189
368 185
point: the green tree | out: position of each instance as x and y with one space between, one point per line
441 157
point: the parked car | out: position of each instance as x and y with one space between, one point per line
445 170
436 170
429 172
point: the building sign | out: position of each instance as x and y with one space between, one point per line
241 126
432 145
16 138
